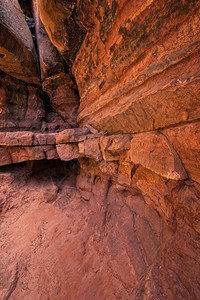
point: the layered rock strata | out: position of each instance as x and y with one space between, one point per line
130 151
109 210
21 106
58 85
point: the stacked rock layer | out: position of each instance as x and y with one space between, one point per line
99 149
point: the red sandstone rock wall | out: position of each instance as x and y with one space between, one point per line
17 54
140 66
109 210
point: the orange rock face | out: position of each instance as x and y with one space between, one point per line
58 85
185 140
151 149
138 68
111 209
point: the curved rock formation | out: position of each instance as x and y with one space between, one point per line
17 53
100 182
140 68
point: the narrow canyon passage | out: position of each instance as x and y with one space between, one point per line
99 150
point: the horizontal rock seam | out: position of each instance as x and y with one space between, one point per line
152 150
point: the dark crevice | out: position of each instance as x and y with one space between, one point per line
46 101
27 8
73 30
56 169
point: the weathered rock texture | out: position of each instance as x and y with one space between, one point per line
63 25
58 85
125 242
21 106
138 68
74 143
17 53
109 210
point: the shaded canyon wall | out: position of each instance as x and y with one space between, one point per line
99 149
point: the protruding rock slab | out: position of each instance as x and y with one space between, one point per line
17 54
20 138
67 152
151 150
44 139
5 157
112 146
90 148
154 152
186 141
20 154
13 155
71 135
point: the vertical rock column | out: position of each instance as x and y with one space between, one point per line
58 85
21 107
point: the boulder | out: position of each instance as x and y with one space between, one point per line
112 146
154 152
186 141
71 135
67 152
90 148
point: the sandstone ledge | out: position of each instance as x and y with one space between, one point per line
151 150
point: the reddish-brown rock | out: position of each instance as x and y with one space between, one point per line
138 68
186 141
67 152
63 96
22 138
112 146
154 152
59 86
49 57
155 190
104 211
63 25
71 135
125 173
21 106
44 139
90 148
17 53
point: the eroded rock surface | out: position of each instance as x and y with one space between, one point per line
145 150
138 68
106 205
17 53
59 86
124 242
21 106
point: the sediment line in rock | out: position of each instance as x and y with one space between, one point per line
145 149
